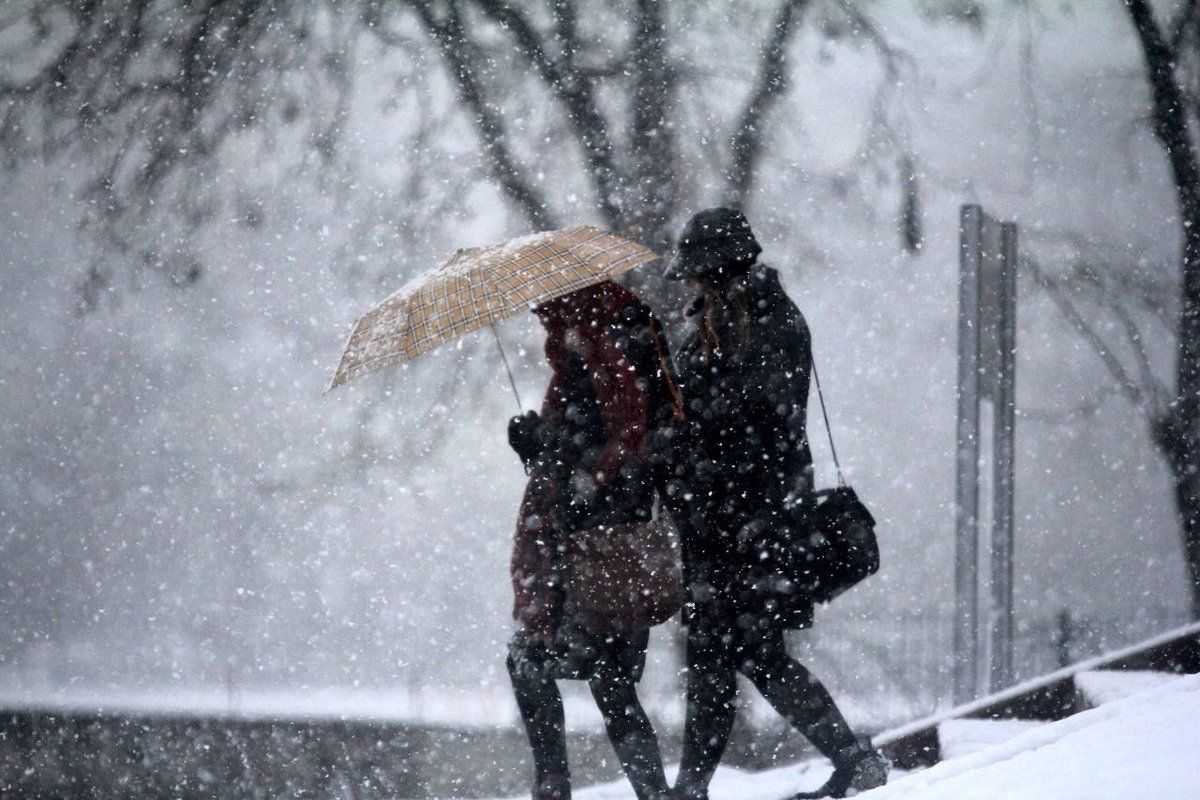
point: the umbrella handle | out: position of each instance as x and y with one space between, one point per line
507 369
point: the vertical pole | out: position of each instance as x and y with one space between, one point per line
966 505
1004 428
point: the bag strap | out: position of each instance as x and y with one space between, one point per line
841 479
665 366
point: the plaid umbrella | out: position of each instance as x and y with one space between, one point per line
479 286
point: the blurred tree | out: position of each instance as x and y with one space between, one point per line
144 93
141 96
164 116
1172 58
622 65
1171 53
911 235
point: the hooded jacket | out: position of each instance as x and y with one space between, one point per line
744 374
607 396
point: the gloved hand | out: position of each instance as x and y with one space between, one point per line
524 436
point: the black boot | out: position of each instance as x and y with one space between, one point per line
867 769
556 786
711 709
639 757
632 736
687 790
541 708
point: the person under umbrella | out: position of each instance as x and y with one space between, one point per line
588 457
741 462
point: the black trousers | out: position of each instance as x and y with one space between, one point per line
612 678
716 652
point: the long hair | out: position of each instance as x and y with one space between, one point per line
714 308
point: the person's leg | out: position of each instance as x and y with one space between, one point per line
711 708
630 732
541 708
805 703
799 697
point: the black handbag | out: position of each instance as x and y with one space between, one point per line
842 534
841 548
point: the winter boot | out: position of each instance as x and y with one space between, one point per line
555 786
682 792
642 763
866 770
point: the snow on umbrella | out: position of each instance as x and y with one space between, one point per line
479 286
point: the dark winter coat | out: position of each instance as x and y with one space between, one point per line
588 452
744 458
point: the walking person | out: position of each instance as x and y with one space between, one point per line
741 464
587 454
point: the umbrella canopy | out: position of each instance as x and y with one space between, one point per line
479 286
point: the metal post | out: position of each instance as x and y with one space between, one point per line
1004 427
966 510
512 383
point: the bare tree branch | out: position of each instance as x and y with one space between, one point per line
747 144
1177 431
1130 388
1156 392
1170 120
463 60
652 143
1184 23
186 74
575 90
887 131
1084 409
894 60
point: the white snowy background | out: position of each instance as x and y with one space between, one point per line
182 508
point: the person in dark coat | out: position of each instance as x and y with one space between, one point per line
588 458
740 483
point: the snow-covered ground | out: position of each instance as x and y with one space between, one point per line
730 783
1105 686
961 737
1140 745
1145 746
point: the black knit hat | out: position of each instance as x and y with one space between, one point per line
713 242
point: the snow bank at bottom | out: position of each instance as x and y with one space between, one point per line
730 783
1145 746
1142 747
